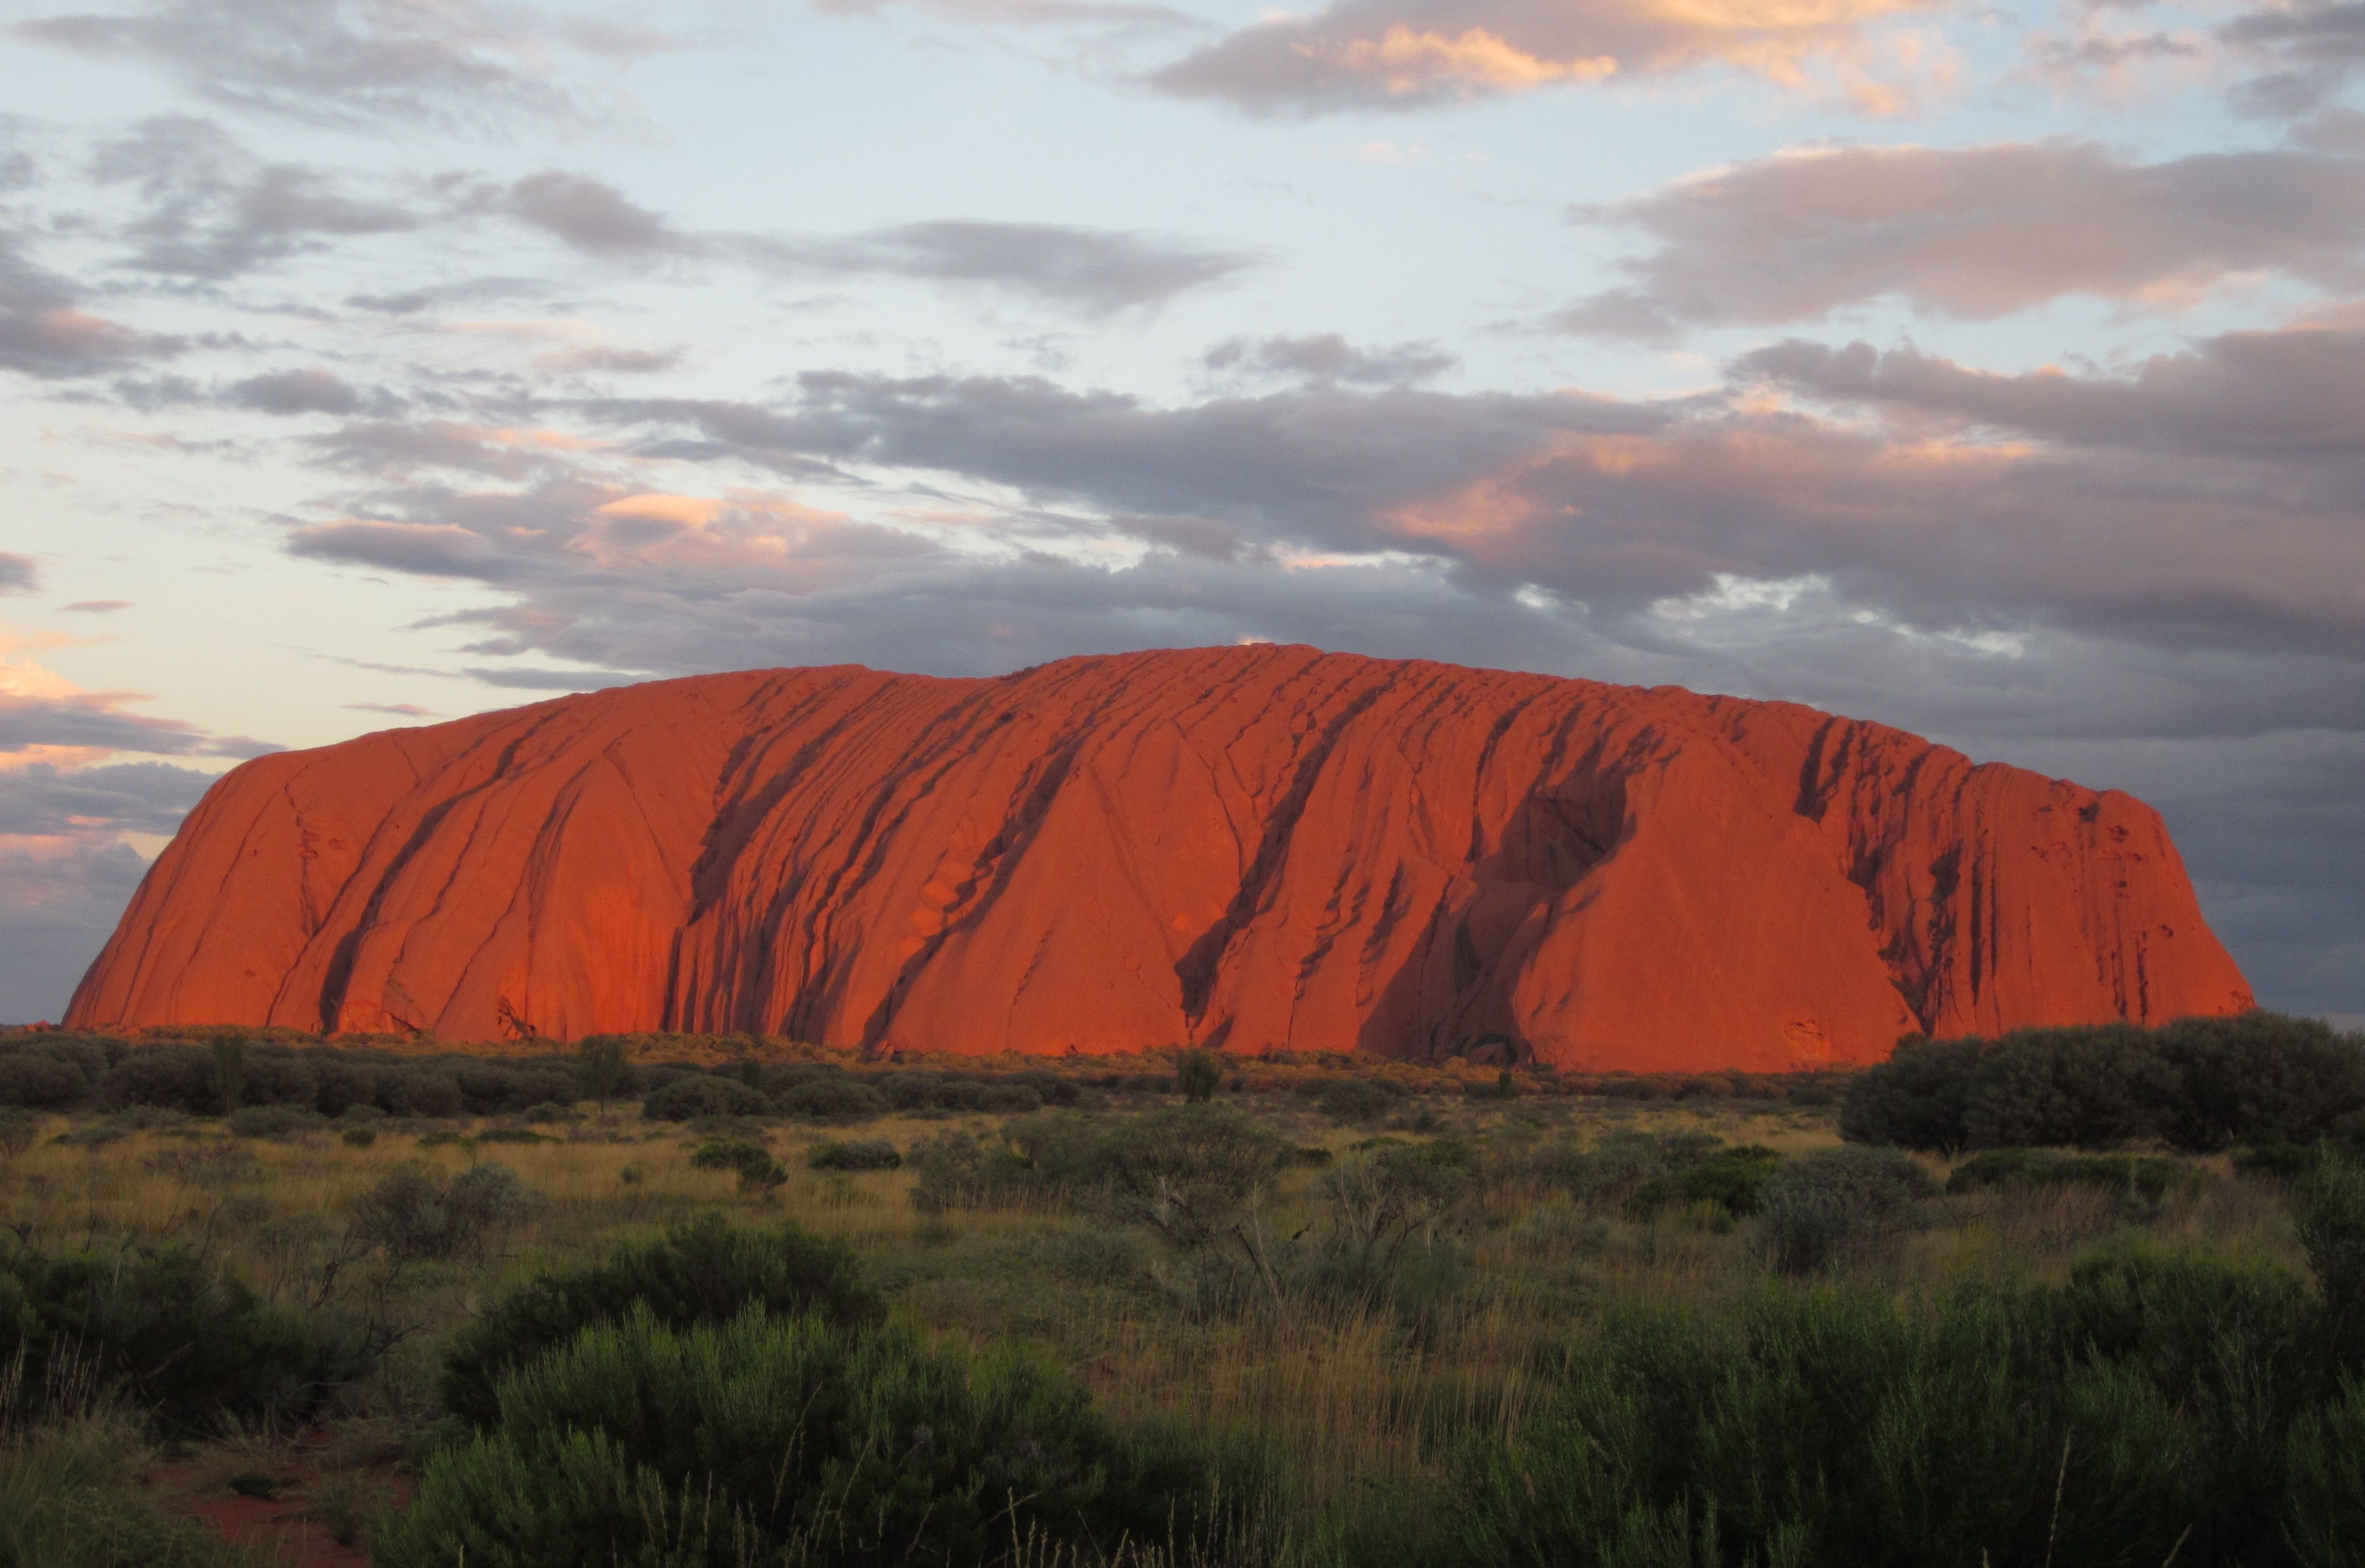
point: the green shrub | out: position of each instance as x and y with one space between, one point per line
789 1440
2146 1177
2200 1084
417 1213
701 1273
190 1347
2325 1466
18 1131
833 1099
702 1095
1730 1181
2330 1209
42 1076
854 1154
1812 1427
1198 1073
271 1121
1357 1099
69 1497
1835 1205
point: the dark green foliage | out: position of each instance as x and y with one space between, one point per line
1198 1073
2330 1208
727 1153
2151 1407
702 1095
2324 1469
603 1066
2200 1084
178 1077
2147 1178
1730 1181
833 1099
418 1090
773 1440
417 1213
854 1154
1357 1099
702 1272
1838 1206
50 1075
188 1346
271 1121
230 1069
1188 1171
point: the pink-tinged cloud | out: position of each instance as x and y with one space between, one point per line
1401 54
98 606
1973 232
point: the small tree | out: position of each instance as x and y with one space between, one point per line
1199 1074
230 1069
605 1067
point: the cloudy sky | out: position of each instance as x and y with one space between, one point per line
1995 371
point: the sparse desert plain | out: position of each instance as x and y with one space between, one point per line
725 1300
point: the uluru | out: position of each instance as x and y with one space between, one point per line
1248 847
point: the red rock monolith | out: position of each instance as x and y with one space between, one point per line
1246 847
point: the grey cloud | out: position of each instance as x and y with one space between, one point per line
213 210
354 62
1328 356
1975 232
587 214
434 550
2271 396
45 333
62 904
397 710
1096 270
42 802
97 720
296 392
596 358
18 573
554 679
99 606
2312 49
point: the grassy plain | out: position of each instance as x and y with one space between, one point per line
1347 1398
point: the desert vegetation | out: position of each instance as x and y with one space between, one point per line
2090 1296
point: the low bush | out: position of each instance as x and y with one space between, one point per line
2199 1084
1730 1180
854 1154
832 1099
417 1213
2147 1178
1357 1099
188 1346
789 1440
701 1273
703 1094
43 1076
1837 1205
271 1121
2149 1411
71 1497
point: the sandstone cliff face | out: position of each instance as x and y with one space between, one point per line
1239 846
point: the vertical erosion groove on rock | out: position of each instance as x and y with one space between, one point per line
1246 847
